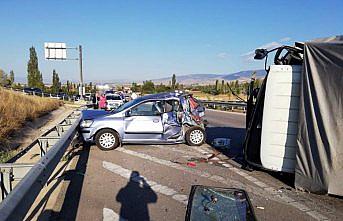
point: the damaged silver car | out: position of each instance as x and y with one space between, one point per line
165 118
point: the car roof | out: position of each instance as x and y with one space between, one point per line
112 95
162 96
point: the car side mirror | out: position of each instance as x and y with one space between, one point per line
216 203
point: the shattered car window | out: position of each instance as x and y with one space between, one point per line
211 203
170 105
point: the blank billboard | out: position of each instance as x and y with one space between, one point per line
57 51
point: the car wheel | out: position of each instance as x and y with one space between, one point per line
195 136
107 139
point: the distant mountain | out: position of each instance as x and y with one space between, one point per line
202 79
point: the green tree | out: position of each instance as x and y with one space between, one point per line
11 77
148 87
3 78
161 88
68 87
222 87
173 82
90 87
34 76
134 87
237 87
56 84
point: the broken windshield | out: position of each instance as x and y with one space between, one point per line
212 203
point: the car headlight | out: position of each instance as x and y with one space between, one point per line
86 123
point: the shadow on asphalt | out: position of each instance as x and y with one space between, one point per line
237 138
75 183
135 197
72 197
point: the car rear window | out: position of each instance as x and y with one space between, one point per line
113 97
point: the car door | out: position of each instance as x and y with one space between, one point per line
143 122
171 124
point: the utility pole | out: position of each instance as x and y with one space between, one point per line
81 76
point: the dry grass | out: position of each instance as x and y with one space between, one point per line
16 108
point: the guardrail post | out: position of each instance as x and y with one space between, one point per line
5 179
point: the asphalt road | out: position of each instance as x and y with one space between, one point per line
152 182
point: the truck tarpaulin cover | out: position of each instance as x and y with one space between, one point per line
319 166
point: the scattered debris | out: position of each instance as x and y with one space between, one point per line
260 207
286 188
222 143
191 164
175 161
205 160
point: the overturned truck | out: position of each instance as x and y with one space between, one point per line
295 119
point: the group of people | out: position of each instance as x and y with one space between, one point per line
99 99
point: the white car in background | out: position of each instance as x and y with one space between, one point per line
113 101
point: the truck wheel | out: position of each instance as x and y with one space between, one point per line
107 139
195 136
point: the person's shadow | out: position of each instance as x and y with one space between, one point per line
134 198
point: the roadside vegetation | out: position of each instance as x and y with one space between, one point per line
219 90
16 108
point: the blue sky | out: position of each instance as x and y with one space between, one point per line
139 40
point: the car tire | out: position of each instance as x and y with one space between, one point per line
195 136
107 139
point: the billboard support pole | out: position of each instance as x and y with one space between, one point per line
81 75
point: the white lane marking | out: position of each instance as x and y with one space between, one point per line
187 151
227 165
114 168
231 183
110 215
200 173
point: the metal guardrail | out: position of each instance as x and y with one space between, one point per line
225 105
31 178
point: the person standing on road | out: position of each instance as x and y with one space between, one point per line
95 99
102 102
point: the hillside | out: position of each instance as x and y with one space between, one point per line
202 79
